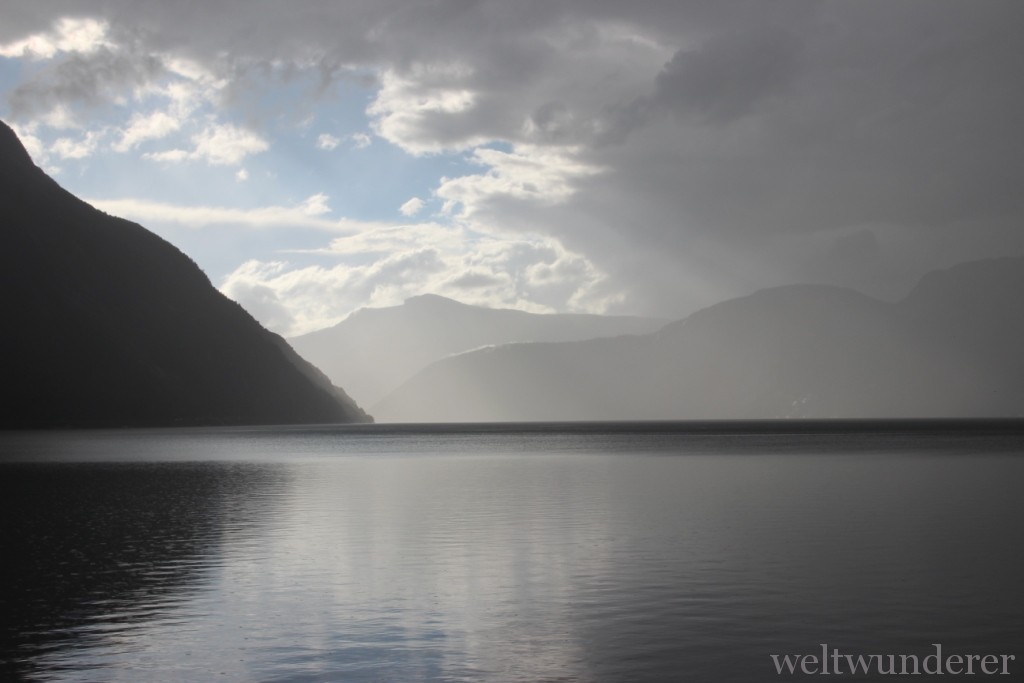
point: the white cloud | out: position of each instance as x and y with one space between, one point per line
143 127
218 144
360 140
408 107
170 155
67 148
392 238
307 214
246 286
193 87
242 175
308 298
384 265
68 34
540 175
227 145
327 141
316 205
411 207
60 118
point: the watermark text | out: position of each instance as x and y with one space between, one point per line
831 661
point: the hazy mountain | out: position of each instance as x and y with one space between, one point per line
374 350
106 324
973 317
951 348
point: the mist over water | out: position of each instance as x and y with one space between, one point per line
512 553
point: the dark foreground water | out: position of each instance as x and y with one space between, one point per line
551 553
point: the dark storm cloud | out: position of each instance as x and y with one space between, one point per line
725 80
894 115
89 79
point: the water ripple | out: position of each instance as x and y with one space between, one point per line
288 557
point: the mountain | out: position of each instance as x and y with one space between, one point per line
106 324
374 350
950 348
973 315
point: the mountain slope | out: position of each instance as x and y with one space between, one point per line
972 317
374 350
107 324
950 349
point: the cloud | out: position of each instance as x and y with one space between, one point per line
145 127
688 151
95 78
218 144
308 214
415 111
170 155
411 207
261 301
68 34
59 118
474 279
360 140
725 79
384 265
528 173
304 299
68 148
242 175
327 141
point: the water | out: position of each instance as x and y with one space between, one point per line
543 553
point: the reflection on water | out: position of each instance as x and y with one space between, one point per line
403 555
94 551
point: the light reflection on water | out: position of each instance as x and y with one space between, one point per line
348 555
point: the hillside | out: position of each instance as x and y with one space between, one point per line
374 350
950 349
106 324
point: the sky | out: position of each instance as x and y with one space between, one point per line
651 158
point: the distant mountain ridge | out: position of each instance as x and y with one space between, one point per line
106 324
374 350
951 348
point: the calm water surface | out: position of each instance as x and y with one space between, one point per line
559 553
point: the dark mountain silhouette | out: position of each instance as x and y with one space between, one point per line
374 350
106 324
950 349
